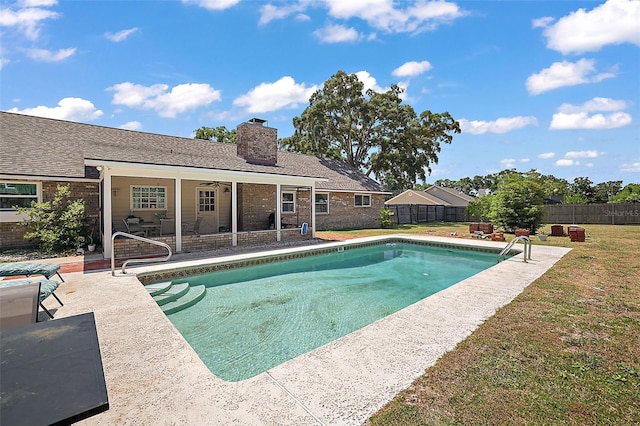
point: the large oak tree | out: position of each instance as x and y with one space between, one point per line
374 132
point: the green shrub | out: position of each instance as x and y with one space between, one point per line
58 225
385 218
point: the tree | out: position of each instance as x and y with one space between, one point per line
582 188
218 134
604 191
518 203
371 131
59 224
629 194
480 207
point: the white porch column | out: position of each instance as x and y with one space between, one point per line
313 211
178 208
234 213
107 218
278 221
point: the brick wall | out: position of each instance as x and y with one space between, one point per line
257 143
128 248
12 234
255 203
344 215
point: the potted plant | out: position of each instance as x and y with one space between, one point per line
542 236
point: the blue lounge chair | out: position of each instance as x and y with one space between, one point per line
47 288
29 268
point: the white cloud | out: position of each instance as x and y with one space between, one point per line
71 109
582 154
284 93
542 22
566 163
212 4
369 82
582 120
595 104
49 56
336 34
501 125
411 69
630 167
382 14
3 62
577 116
27 20
131 125
120 35
562 74
613 22
181 98
270 12
547 155
510 163
37 3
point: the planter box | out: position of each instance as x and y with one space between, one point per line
522 232
576 234
499 236
557 231
542 237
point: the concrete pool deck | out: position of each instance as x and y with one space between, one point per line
153 376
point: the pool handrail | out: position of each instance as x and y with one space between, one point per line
527 244
145 260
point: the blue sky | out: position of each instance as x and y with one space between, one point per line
546 85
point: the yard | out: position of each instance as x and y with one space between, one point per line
565 352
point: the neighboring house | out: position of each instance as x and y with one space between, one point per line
236 193
434 195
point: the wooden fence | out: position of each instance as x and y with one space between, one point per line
418 213
611 214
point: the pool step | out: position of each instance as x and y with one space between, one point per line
172 293
190 298
155 289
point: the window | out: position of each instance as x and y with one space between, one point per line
363 200
288 202
17 194
207 201
322 203
148 197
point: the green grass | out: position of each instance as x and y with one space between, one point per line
566 351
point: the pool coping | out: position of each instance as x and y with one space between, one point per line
154 377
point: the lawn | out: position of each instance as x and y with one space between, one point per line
566 351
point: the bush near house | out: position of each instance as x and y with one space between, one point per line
58 225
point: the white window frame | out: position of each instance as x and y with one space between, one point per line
213 197
12 215
362 200
292 202
158 206
327 203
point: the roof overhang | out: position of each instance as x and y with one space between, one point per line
115 168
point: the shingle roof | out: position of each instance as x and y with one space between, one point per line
38 146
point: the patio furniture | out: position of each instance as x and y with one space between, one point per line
151 229
47 288
192 228
167 226
52 372
133 226
19 305
28 269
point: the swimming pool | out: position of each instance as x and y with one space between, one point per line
255 318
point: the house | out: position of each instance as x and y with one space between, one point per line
434 195
236 193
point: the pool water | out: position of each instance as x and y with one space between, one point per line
255 318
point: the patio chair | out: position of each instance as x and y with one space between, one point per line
30 268
19 305
47 288
133 226
192 228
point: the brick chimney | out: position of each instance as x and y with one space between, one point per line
257 143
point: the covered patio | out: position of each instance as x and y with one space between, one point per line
192 210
